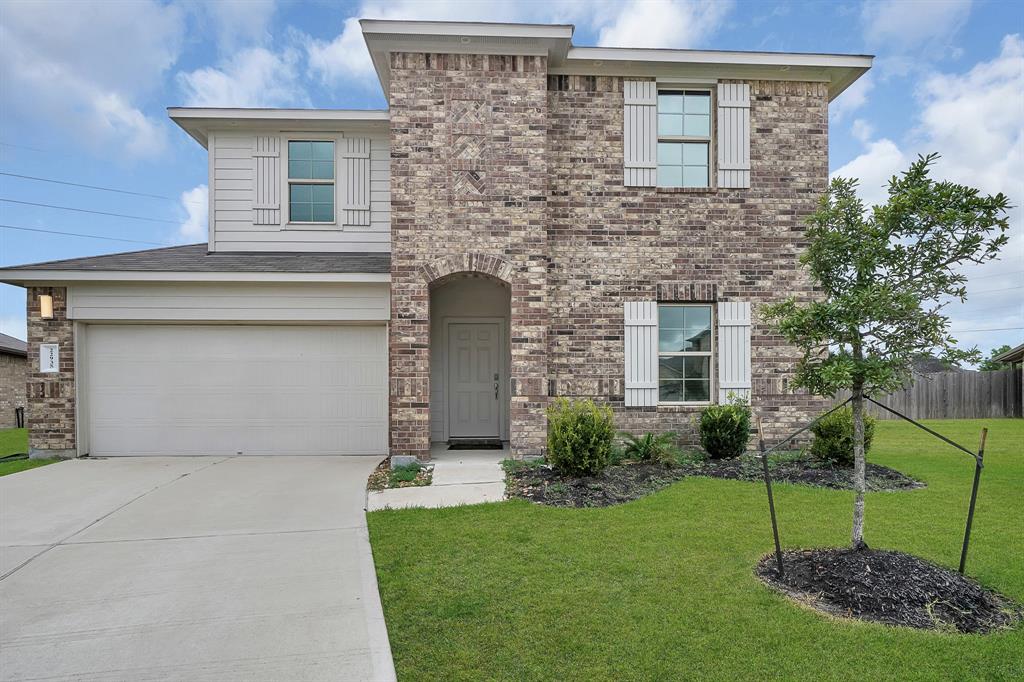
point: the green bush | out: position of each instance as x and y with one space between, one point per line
725 429
405 472
580 436
833 437
650 448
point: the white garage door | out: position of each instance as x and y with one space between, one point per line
226 390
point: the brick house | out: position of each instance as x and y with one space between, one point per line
13 375
527 219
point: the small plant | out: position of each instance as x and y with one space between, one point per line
833 437
580 436
725 429
650 448
405 473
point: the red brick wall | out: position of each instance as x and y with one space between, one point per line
468 176
50 414
609 243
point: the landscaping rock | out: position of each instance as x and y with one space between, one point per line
889 587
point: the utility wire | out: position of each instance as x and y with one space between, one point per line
78 234
971 293
21 146
85 210
97 187
991 329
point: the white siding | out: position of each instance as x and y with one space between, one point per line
222 302
238 197
641 353
733 135
640 133
734 375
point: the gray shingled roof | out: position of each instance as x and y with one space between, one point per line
196 258
12 346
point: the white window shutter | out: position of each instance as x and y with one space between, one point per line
734 376
733 135
640 133
355 181
641 346
267 177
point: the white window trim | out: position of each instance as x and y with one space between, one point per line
664 86
286 182
710 354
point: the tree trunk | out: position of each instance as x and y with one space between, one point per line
859 467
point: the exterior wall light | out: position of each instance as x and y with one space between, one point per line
46 307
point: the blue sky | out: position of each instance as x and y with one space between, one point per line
84 87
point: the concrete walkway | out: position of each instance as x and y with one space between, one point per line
460 477
190 568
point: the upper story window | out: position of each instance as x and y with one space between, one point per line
684 353
310 181
684 138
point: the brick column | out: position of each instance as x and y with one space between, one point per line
50 409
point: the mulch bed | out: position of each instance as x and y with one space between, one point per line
802 469
889 587
615 485
380 479
633 480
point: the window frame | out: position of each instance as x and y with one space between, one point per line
287 182
710 139
710 354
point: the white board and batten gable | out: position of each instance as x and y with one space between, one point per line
732 355
248 183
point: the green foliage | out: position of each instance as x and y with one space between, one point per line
833 437
580 436
512 466
406 472
650 448
881 274
989 364
725 429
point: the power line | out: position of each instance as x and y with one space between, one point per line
21 146
990 329
971 293
78 234
97 187
85 210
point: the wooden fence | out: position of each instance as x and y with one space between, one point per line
955 395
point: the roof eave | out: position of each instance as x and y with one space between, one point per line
199 121
26 278
1012 355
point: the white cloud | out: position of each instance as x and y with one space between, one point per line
344 57
975 120
86 66
240 22
853 98
195 203
255 77
664 23
900 25
862 130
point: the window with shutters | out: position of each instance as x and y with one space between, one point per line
684 138
311 178
685 352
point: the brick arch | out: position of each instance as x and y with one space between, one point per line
480 263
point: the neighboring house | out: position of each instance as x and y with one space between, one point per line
1015 358
527 219
13 377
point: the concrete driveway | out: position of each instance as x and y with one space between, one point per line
197 568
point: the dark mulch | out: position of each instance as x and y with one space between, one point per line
802 469
615 485
889 587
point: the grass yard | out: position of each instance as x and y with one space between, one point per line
663 587
13 441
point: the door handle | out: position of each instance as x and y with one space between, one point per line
495 390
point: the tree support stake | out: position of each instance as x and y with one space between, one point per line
771 499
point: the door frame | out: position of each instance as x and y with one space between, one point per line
503 398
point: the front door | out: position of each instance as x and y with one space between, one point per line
474 386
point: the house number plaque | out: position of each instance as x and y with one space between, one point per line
49 357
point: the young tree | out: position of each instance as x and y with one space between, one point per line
989 364
881 274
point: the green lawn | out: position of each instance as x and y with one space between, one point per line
14 441
663 588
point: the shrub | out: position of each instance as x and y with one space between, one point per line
725 429
651 448
833 437
405 472
580 436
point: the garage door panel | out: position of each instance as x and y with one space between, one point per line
191 389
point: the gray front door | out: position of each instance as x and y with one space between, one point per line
474 351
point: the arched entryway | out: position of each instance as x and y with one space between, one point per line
470 358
